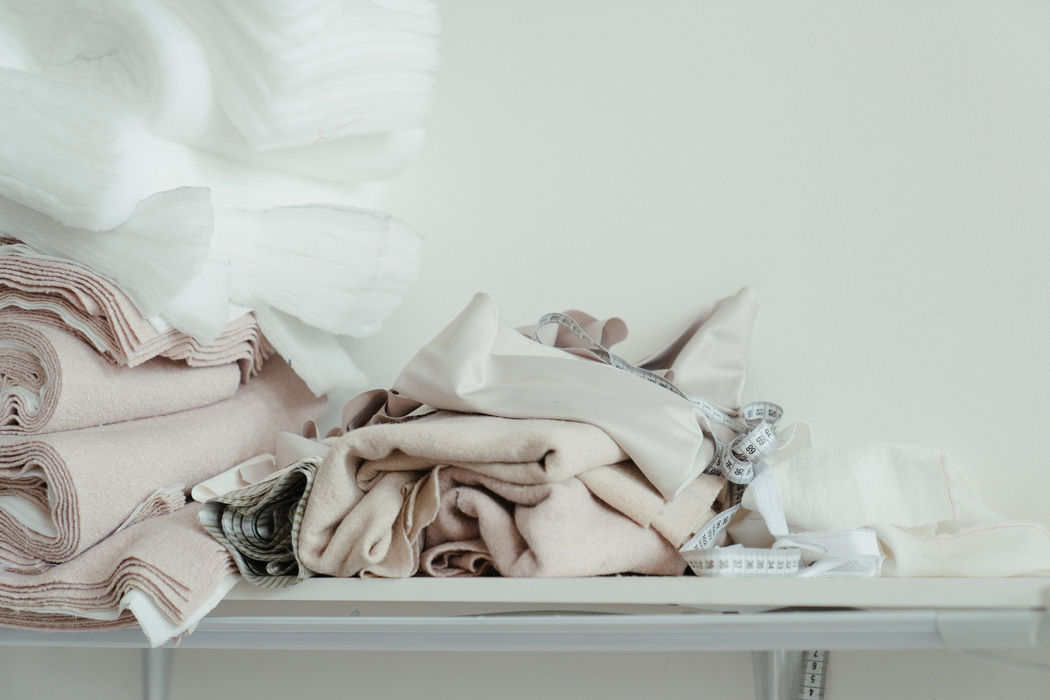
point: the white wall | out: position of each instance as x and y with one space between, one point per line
880 170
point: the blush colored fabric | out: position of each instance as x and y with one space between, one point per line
88 482
536 530
71 297
384 490
480 364
52 381
169 559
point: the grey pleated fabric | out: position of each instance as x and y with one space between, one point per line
259 525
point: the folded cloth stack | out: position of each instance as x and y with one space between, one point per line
164 574
105 422
65 491
204 156
73 298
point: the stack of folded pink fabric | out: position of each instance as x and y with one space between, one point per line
105 422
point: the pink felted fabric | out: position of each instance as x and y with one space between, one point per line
73 298
170 558
90 481
51 381
541 530
381 486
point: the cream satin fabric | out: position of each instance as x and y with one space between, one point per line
480 364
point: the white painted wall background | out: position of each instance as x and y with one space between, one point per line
879 170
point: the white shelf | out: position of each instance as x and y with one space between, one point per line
642 591
770 617
612 613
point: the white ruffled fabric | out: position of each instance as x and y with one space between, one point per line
205 154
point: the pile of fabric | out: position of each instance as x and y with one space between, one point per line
189 229
496 453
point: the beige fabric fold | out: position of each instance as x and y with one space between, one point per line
380 486
170 559
537 530
623 487
89 481
51 381
69 296
480 364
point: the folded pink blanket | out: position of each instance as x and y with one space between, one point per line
542 493
170 559
51 381
61 493
71 297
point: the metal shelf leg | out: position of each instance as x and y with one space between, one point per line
778 674
156 673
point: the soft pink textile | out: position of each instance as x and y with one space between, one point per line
170 558
381 486
78 388
98 476
540 530
27 282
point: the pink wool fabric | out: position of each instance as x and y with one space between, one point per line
170 558
38 288
384 491
542 530
78 388
91 480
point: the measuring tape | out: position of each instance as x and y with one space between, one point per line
814 675
705 558
757 424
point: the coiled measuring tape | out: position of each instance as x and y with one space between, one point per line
756 426
705 558
758 421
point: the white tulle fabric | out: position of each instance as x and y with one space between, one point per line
208 153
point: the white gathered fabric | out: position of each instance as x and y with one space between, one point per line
928 519
209 154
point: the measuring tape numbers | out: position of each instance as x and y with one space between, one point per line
814 675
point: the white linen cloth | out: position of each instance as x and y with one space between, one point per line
928 519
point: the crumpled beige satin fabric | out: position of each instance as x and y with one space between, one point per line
480 364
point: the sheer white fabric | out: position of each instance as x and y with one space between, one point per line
203 155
